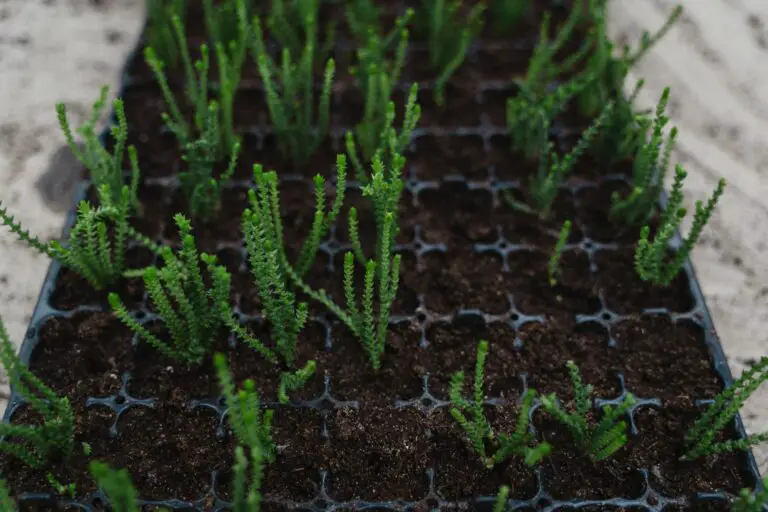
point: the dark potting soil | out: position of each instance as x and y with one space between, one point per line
473 268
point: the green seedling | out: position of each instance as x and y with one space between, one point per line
97 242
376 135
449 31
600 441
62 489
105 168
649 169
117 486
749 501
651 256
300 128
189 310
700 440
52 439
553 267
553 170
160 31
478 428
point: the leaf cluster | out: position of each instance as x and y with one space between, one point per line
160 32
748 501
299 126
97 242
649 167
105 168
211 137
553 266
701 438
478 429
651 256
252 428
449 31
35 445
553 169
377 137
610 70
273 274
598 441
187 307
117 485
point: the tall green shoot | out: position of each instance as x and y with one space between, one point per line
189 310
449 32
553 170
599 441
553 266
53 439
376 134
106 169
478 428
160 31
651 262
650 165
96 247
701 438
117 485
300 128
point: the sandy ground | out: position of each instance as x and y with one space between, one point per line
65 50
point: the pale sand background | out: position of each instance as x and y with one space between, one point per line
715 60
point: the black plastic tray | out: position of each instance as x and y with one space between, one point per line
651 500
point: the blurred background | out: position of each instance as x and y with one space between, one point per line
714 60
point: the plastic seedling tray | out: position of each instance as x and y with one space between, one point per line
532 333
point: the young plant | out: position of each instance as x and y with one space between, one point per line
200 186
189 310
362 17
291 381
263 233
530 115
501 499
601 63
651 262
752 501
106 169
700 438
543 69
230 59
625 131
649 169
117 486
252 426
370 328
69 489
376 78
160 31
384 189
51 440
478 428
212 138
553 170
6 501
376 133
290 93
601 441
295 24
93 250
449 31
553 267
222 20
